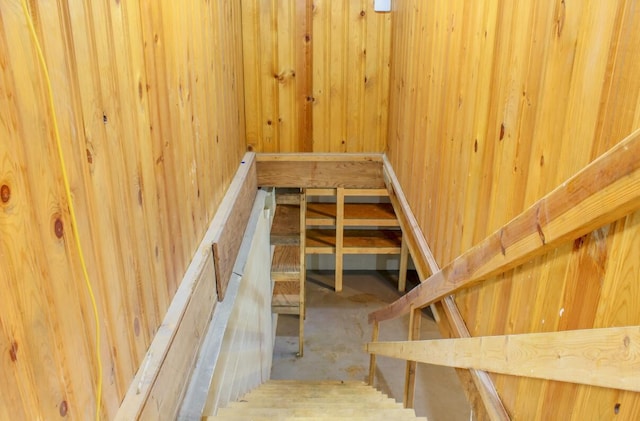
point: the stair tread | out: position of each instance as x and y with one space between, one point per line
289 402
352 410
355 239
286 294
396 417
286 260
315 400
286 225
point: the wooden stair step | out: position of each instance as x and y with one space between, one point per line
311 384
316 418
319 403
286 225
310 393
287 196
286 297
315 400
327 410
285 264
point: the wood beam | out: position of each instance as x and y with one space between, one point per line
602 192
313 170
607 357
418 247
234 212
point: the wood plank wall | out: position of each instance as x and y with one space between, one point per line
316 75
493 103
149 100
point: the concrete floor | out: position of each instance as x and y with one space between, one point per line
336 330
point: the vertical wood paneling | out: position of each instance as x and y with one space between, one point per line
277 41
150 103
504 102
316 75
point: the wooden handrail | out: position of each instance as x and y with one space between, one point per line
602 192
599 357
426 264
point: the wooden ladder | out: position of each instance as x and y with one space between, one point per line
288 263
315 400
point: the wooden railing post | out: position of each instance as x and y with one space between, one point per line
372 357
415 322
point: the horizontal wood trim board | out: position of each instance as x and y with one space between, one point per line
599 357
320 171
602 192
235 210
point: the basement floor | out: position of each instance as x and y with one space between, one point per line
336 330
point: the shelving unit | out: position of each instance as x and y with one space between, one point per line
342 228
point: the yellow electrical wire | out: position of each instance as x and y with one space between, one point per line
72 211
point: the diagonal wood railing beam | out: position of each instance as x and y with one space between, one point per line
425 264
607 357
602 192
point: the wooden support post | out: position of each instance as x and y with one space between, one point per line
303 271
339 237
415 323
372 357
404 259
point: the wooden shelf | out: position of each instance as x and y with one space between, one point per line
337 228
355 215
323 241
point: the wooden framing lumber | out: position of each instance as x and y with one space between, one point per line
235 210
161 380
602 192
320 170
425 263
423 259
607 357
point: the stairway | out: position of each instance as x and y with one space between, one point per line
314 400
287 264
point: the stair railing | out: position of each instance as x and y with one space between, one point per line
602 192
